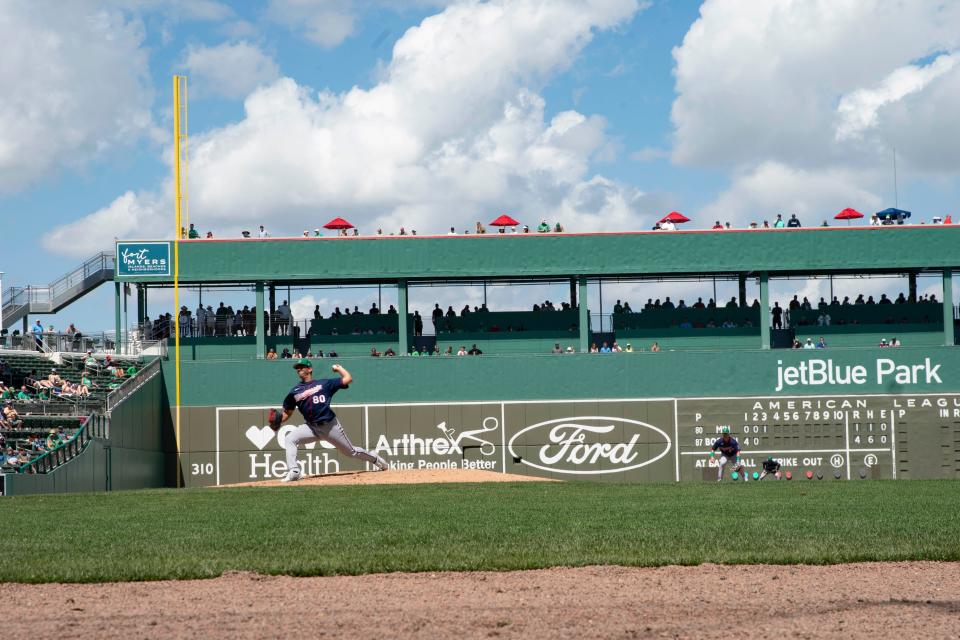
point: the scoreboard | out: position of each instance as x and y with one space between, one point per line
832 437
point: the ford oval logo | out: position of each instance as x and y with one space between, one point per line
583 446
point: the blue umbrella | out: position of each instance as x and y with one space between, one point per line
892 213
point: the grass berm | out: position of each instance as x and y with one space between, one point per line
301 531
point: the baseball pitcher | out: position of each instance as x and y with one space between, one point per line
312 398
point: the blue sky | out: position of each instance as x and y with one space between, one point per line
606 114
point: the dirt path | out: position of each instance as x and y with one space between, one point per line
881 600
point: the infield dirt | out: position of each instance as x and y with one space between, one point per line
881 600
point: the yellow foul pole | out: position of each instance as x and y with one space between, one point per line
179 122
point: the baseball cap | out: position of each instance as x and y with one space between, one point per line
302 362
725 430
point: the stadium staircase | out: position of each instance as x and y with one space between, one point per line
19 302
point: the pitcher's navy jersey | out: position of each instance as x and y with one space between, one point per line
313 399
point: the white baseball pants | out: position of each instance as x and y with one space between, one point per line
330 432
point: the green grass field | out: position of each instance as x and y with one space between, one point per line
150 535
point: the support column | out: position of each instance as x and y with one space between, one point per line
912 292
146 311
764 311
118 337
273 308
948 337
404 346
573 293
141 312
742 290
261 326
584 315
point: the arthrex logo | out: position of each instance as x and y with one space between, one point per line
590 445
469 448
143 259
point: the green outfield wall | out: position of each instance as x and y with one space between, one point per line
839 414
379 259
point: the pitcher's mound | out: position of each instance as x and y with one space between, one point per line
413 476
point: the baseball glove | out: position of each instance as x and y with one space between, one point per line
276 419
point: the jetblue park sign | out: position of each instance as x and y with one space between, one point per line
143 259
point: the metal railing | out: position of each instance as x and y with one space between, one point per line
132 384
101 342
95 426
47 298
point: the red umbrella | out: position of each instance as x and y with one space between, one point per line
338 223
504 221
675 217
848 215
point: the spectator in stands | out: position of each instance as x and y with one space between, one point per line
618 308
655 347
717 225
809 344
271 354
883 342
285 354
793 222
558 228
859 300
894 342
474 351
594 348
465 310
23 395
796 344
732 304
556 348
821 343
777 313
605 348
462 351
418 323
884 299
37 330
778 223
374 311
193 234
823 320
616 347
543 227
628 348
10 415
667 304
263 232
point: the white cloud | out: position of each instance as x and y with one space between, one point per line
75 86
454 132
129 216
858 110
325 22
773 188
762 80
801 102
231 70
